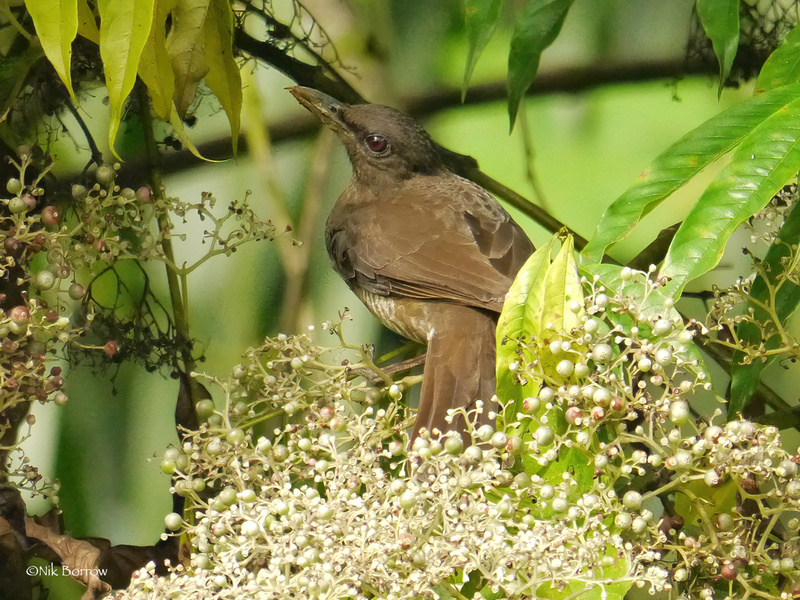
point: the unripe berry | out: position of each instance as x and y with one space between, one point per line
45 280
105 175
485 432
530 405
602 353
632 500
565 368
544 435
14 186
173 521
453 445
77 291
17 205
679 412
499 440
662 327
473 454
663 356
78 192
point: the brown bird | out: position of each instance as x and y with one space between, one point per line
430 254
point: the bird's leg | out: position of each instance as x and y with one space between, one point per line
404 365
382 375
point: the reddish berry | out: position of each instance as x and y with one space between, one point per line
51 216
144 195
20 314
111 348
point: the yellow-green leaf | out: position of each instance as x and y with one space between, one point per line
155 67
562 288
186 47
87 25
223 77
783 66
124 29
56 23
521 317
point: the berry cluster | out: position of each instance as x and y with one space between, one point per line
601 480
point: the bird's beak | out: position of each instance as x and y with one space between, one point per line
329 110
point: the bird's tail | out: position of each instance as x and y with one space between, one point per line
459 369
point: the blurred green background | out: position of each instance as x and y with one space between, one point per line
583 147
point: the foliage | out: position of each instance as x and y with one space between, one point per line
295 475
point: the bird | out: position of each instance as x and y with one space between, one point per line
430 253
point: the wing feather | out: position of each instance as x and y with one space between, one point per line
436 238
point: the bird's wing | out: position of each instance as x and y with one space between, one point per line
437 238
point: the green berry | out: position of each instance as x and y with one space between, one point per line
45 280
105 175
173 521
17 205
14 186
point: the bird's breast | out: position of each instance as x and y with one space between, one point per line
409 318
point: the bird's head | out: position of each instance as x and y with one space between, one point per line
380 141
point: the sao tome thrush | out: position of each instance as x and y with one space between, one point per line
431 254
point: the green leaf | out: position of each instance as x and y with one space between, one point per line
694 498
223 77
186 47
480 20
654 304
537 25
155 67
124 29
783 66
562 286
87 25
520 317
759 167
720 20
616 573
745 377
679 163
56 23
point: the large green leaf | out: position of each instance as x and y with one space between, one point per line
745 377
759 167
679 163
223 77
155 67
783 66
562 287
538 22
124 28
186 47
480 20
56 23
521 317
720 21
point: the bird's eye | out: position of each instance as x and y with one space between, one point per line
377 144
